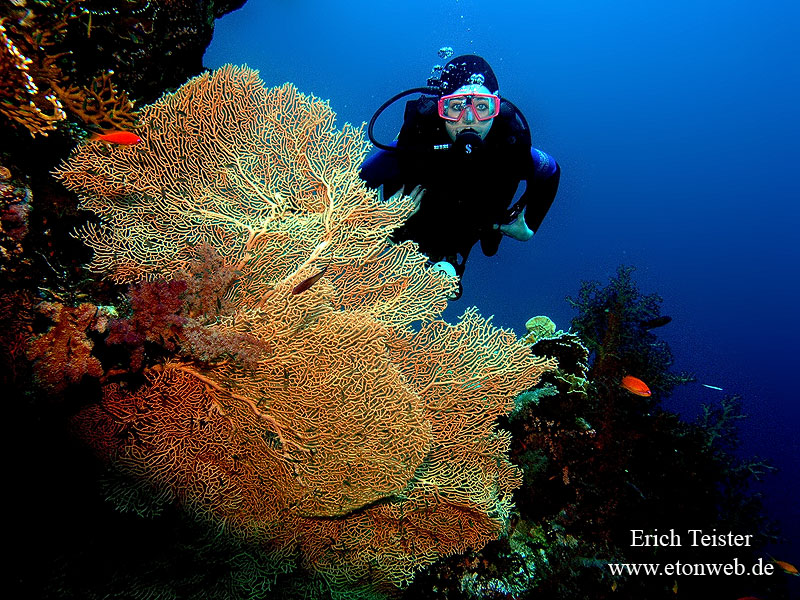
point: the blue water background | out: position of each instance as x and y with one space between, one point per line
676 127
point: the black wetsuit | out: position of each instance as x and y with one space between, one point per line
466 194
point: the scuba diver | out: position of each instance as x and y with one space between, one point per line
462 151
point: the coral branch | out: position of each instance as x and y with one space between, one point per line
251 403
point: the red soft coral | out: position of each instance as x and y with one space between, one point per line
208 280
63 355
155 317
209 344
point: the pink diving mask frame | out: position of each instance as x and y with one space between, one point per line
484 106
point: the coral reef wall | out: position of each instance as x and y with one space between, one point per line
60 59
350 430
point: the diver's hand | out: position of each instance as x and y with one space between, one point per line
517 229
416 197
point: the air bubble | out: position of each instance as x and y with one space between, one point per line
445 52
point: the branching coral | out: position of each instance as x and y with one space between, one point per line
362 439
612 323
34 92
99 104
22 99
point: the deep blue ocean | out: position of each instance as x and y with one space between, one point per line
676 127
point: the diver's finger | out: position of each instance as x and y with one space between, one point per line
398 194
416 197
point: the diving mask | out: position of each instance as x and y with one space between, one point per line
483 106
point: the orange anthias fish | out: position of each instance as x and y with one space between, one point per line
787 567
307 283
124 138
635 386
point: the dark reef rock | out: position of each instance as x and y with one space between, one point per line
151 45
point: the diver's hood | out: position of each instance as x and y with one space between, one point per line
467 142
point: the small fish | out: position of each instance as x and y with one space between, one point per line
675 587
787 567
637 490
711 387
657 322
123 138
748 598
307 283
635 386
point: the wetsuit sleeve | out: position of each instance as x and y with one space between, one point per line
381 168
541 185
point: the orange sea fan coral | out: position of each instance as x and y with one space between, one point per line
363 442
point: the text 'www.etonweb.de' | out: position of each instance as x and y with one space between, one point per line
734 567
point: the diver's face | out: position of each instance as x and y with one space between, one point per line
468 120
